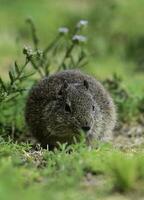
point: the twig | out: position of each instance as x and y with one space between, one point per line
33 32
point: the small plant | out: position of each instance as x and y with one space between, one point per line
127 104
10 90
123 170
41 60
64 52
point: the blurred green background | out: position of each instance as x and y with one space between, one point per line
115 33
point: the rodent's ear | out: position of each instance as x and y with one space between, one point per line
86 84
63 87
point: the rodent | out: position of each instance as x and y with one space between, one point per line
58 107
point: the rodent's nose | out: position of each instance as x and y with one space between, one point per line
86 128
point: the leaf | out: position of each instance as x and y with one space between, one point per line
3 84
16 68
27 75
83 64
11 77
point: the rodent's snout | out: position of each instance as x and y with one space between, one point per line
85 128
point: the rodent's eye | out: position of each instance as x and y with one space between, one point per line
93 108
60 92
67 108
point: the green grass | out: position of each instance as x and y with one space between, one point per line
83 174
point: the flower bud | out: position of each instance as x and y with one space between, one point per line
79 38
82 23
63 30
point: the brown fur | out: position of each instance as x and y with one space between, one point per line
60 106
